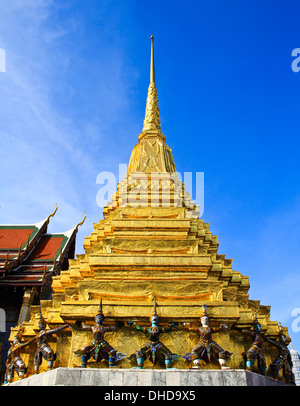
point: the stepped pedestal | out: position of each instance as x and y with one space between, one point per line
147 377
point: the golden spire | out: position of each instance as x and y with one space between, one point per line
152 117
151 154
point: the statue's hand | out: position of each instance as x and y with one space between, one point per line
130 323
225 326
79 353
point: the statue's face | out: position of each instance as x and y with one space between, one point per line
258 328
41 325
154 320
283 339
99 319
204 321
15 341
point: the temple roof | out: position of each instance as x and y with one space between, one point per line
28 254
13 237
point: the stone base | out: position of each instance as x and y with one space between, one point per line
147 377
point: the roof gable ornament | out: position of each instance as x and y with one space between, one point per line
51 215
80 224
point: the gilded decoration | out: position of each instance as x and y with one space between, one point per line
154 249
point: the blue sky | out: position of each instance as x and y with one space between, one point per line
73 102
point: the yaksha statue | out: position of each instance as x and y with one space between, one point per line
283 360
43 348
14 362
153 349
255 352
207 349
99 349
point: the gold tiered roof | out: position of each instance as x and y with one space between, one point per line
152 244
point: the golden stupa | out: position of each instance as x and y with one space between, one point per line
151 244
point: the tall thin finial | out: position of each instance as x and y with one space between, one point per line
204 311
100 310
152 70
154 309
